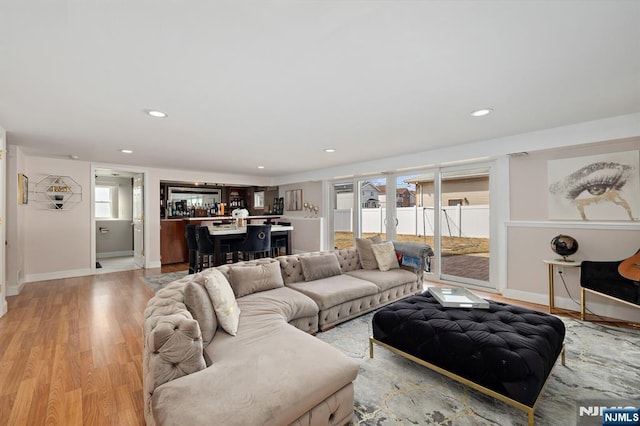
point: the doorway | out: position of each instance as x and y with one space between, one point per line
118 207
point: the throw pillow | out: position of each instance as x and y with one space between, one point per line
224 302
377 239
365 253
199 304
247 279
322 266
385 255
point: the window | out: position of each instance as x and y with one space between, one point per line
105 196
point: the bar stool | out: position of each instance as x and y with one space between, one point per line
279 242
257 242
192 247
206 248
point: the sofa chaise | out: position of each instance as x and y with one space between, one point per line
269 369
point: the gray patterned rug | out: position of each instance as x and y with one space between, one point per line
602 362
156 282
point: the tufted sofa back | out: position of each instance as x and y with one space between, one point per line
292 269
226 269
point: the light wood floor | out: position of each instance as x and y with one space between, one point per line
71 350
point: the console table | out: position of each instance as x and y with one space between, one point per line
560 264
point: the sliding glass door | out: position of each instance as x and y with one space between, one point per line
465 225
446 208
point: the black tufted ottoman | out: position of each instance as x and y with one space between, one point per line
505 351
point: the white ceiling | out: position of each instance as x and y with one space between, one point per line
272 83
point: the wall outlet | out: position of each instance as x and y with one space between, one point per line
561 270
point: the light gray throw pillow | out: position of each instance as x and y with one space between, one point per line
248 279
322 266
365 253
199 304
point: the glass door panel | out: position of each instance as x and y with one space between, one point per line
465 225
372 207
342 201
415 208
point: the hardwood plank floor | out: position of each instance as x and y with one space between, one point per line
71 350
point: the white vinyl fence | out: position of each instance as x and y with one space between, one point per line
457 221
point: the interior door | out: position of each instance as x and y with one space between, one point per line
138 220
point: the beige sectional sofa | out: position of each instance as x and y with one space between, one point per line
273 371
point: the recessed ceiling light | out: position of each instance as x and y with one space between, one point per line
126 151
482 112
74 157
155 113
261 167
329 150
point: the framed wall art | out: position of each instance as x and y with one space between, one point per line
595 187
293 199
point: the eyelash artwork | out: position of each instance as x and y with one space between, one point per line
595 183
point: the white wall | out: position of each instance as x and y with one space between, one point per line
311 194
57 242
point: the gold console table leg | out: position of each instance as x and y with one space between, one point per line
551 285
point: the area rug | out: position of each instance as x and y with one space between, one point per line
156 282
601 363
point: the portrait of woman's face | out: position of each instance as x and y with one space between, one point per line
598 187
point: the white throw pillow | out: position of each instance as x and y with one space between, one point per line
385 256
223 300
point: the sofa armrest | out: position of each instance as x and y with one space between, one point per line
174 347
416 250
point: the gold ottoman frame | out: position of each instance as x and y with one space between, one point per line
528 409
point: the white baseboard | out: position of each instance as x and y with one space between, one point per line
3 307
153 264
109 254
58 275
14 290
